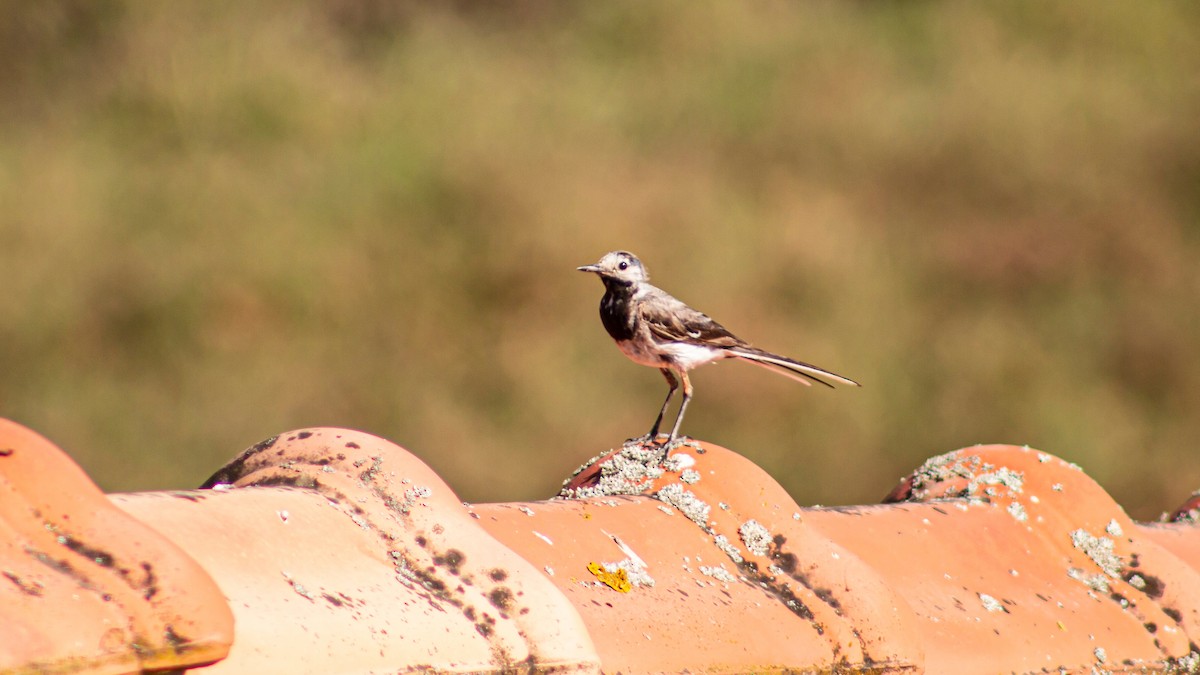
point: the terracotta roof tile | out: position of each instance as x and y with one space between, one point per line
355 555
85 587
340 552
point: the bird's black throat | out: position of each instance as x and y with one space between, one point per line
616 308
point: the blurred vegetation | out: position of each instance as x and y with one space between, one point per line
224 220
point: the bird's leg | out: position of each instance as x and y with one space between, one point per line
674 384
687 396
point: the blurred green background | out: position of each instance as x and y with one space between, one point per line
223 220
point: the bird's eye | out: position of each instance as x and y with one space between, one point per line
623 265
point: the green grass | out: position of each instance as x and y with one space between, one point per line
220 221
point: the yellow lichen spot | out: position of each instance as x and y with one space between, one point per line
587 516
617 580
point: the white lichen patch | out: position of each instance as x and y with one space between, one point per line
666 509
991 604
1004 477
690 476
627 472
718 572
549 570
1017 510
756 537
1096 582
1100 550
939 470
635 571
1101 656
1114 528
730 550
1189 663
526 510
1057 487
1138 582
983 479
679 462
1044 457
413 497
690 505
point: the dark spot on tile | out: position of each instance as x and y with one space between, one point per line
281 480
33 588
236 468
469 612
304 434
336 602
501 598
452 560
421 541
178 642
6 452
150 584
498 574
352 444
1150 626
1153 585
1175 614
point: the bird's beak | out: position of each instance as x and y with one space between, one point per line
589 268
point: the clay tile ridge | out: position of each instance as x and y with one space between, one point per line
333 551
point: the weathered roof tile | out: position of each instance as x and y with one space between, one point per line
341 552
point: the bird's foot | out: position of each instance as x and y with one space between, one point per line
661 442
643 440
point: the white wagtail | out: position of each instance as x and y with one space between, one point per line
654 329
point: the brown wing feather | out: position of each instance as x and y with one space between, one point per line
671 320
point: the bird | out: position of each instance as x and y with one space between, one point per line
652 328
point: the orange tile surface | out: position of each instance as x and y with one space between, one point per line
339 552
87 588
343 553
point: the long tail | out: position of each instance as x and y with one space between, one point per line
789 368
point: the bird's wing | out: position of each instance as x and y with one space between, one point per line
669 319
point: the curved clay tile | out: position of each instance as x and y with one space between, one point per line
87 588
1031 552
709 541
341 552
357 557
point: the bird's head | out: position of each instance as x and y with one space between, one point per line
621 267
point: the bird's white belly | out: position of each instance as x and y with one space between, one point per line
679 354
